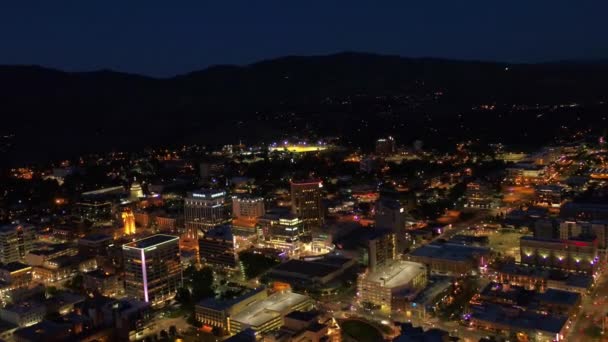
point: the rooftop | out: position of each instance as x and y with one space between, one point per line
304 316
96 237
559 297
150 241
396 274
14 266
308 268
9 228
449 251
259 312
520 319
219 305
223 232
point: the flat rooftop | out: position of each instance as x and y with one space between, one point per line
15 266
559 297
396 274
307 268
96 237
521 320
449 251
150 241
219 305
222 232
262 311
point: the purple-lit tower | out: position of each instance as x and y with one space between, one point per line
152 268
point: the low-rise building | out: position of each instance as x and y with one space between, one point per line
450 257
217 247
574 255
315 273
23 314
392 285
256 310
522 323
100 282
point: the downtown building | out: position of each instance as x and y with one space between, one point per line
152 268
576 254
248 208
306 202
205 209
217 248
391 215
16 240
281 231
390 287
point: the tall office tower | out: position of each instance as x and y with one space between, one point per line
247 207
382 249
306 202
217 247
153 271
205 209
15 241
391 215
385 146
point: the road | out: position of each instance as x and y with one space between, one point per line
593 310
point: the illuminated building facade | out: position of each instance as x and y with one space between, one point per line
478 195
205 209
136 191
548 195
94 209
128 220
281 231
385 146
306 202
217 247
573 255
390 214
247 207
152 268
16 240
382 250
392 285
257 311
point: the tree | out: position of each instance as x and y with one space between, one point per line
183 296
76 283
256 264
202 284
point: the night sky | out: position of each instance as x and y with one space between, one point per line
161 38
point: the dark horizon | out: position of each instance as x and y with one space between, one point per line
163 41
594 61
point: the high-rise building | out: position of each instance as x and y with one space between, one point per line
94 209
247 207
205 209
217 247
16 240
381 249
152 268
385 146
391 215
281 231
306 202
